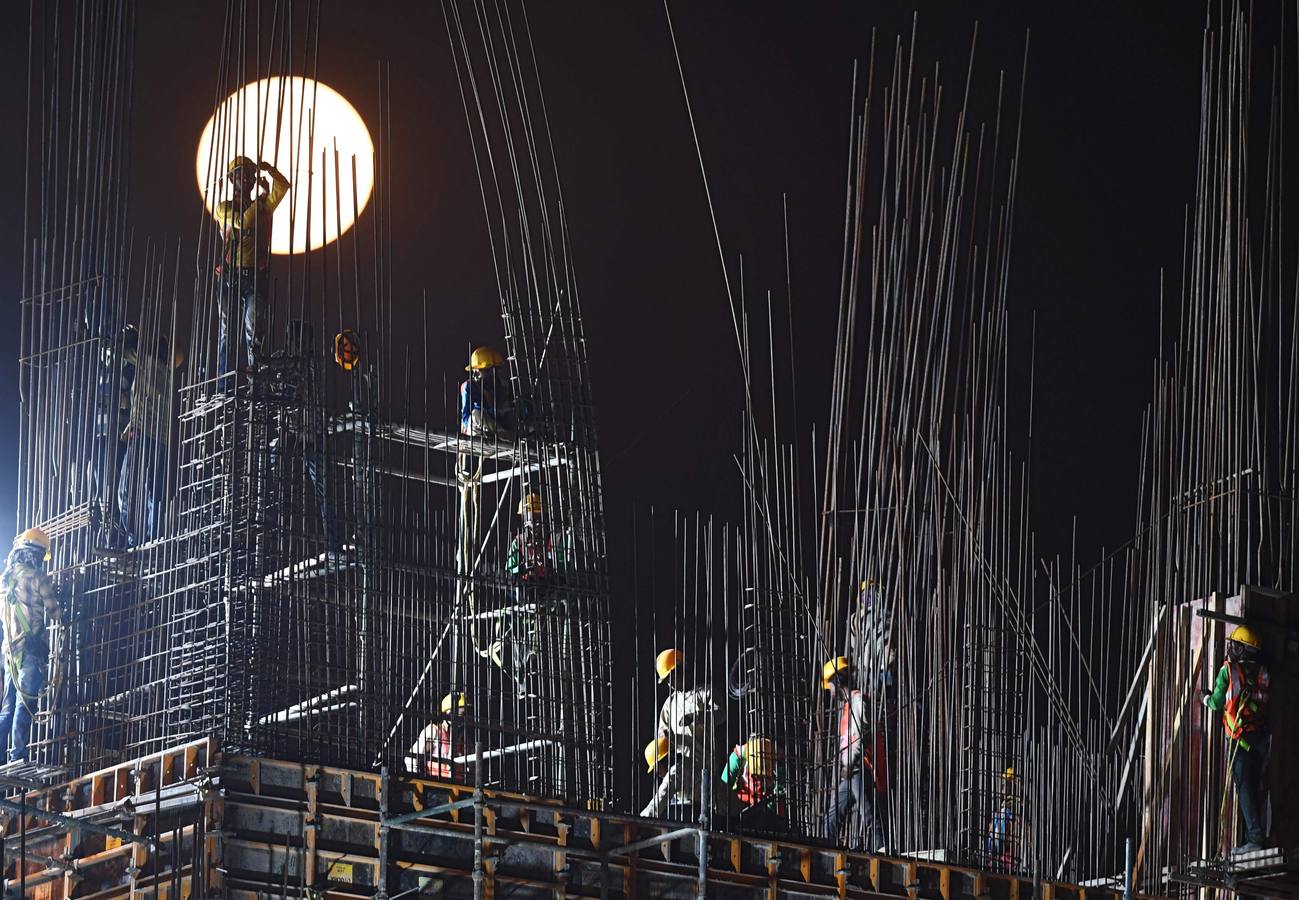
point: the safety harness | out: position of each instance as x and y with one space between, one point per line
17 628
1246 696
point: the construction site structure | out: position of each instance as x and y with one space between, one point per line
320 638
193 821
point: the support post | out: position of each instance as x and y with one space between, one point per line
1127 869
705 817
382 892
478 819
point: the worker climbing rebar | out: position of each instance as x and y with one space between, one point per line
243 274
1004 836
147 440
1241 693
27 598
114 376
862 782
683 732
291 378
537 558
441 742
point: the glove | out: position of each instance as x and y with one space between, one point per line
1205 698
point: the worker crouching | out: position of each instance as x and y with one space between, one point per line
441 743
1241 694
755 772
27 599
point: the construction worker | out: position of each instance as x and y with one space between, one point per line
244 271
290 380
485 407
685 722
27 599
441 742
538 554
869 630
1001 840
147 437
114 377
1240 693
755 773
862 777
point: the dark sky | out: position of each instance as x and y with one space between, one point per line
1110 123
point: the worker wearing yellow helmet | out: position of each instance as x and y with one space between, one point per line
537 558
869 642
755 772
486 408
27 599
441 743
685 721
863 778
243 275
1241 693
1004 837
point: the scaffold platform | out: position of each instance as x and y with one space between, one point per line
193 821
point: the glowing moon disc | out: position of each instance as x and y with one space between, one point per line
296 124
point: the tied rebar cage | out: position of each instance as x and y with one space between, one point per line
282 543
261 543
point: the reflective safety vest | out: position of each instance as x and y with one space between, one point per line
757 790
14 613
850 728
1247 694
440 751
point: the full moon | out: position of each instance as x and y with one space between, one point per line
302 127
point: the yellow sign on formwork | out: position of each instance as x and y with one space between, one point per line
341 871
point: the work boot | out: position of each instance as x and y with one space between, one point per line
1247 847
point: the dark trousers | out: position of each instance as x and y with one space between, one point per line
104 472
30 665
855 792
316 468
145 472
1247 775
242 293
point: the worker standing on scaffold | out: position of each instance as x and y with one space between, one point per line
1241 694
244 271
27 598
485 409
856 764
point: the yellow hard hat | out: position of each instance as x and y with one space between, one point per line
238 162
458 700
1242 634
760 754
531 502
484 358
1009 774
665 662
37 537
833 668
655 750
347 350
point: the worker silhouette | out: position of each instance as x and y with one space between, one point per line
243 274
1241 692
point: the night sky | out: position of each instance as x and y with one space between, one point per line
1108 161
